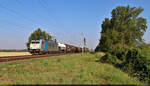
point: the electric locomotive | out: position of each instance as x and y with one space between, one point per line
43 46
51 46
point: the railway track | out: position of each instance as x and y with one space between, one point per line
14 58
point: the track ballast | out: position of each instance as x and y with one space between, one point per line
14 58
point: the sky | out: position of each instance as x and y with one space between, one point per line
66 20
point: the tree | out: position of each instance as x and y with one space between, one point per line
37 35
122 30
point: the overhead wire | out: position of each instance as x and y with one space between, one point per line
42 2
14 24
15 13
44 5
17 25
20 3
12 11
19 14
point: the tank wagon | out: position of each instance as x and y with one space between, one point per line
61 47
51 46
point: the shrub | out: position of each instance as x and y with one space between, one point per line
120 54
109 58
137 65
133 61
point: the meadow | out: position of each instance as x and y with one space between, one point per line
13 53
69 69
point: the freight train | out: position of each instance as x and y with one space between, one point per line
52 46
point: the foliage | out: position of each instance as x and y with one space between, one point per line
38 34
110 58
137 64
120 54
122 30
115 57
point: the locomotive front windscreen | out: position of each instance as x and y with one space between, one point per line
35 42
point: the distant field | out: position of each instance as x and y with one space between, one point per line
70 69
13 53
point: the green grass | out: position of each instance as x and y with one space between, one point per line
70 69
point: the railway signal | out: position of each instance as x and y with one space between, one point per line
84 43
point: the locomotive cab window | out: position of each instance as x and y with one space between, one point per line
35 42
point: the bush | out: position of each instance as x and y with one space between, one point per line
120 54
109 58
133 61
137 65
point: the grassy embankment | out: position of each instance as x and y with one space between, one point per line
70 69
13 53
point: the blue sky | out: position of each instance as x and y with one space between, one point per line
66 20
